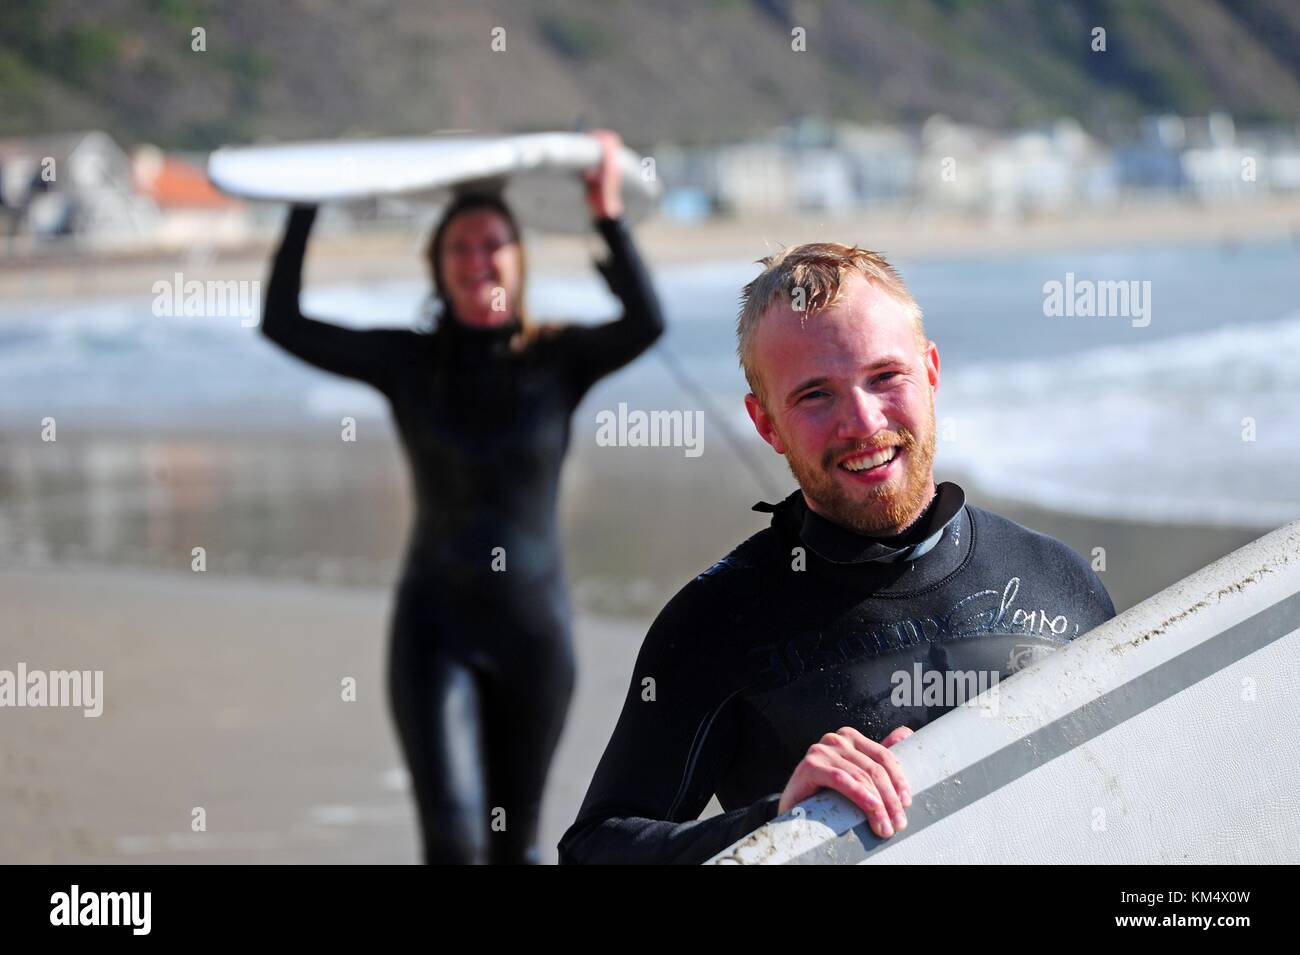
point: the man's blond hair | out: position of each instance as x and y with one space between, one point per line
812 275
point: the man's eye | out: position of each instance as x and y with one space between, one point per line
812 394
887 375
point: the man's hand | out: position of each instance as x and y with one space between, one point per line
864 771
605 182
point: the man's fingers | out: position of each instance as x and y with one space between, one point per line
883 783
881 755
896 735
884 811
827 766
861 792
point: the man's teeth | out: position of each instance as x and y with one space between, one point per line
875 460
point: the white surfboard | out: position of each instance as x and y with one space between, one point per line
539 173
1170 734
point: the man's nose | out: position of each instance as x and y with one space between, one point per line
862 416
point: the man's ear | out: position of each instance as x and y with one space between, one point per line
763 423
931 359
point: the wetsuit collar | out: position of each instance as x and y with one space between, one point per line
839 545
459 331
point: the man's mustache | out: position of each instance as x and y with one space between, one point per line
903 438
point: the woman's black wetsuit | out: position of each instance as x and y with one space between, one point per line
481 662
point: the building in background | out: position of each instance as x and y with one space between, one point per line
189 210
74 185
81 191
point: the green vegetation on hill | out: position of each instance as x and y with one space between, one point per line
681 69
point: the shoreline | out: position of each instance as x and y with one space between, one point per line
394 255
288 506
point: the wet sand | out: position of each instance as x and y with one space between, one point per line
225 694
636 523
223 691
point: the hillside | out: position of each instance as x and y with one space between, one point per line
691 71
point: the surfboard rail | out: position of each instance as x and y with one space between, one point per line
1170 733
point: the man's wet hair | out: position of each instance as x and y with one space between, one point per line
814 273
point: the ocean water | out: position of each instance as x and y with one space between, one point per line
1092 415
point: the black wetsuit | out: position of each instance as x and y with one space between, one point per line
481 663
755 660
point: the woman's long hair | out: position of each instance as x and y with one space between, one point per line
440 308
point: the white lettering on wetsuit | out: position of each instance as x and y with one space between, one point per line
971 616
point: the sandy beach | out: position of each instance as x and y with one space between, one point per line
224 692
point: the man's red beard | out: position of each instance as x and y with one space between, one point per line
881 510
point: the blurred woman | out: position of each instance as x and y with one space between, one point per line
481 662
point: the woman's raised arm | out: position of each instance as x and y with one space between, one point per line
370 355
595 352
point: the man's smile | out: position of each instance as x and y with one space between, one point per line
872 465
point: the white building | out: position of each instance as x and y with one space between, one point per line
78 185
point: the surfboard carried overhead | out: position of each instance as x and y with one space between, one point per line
538 173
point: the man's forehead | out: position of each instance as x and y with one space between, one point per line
865 312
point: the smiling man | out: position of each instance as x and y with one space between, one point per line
800 658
